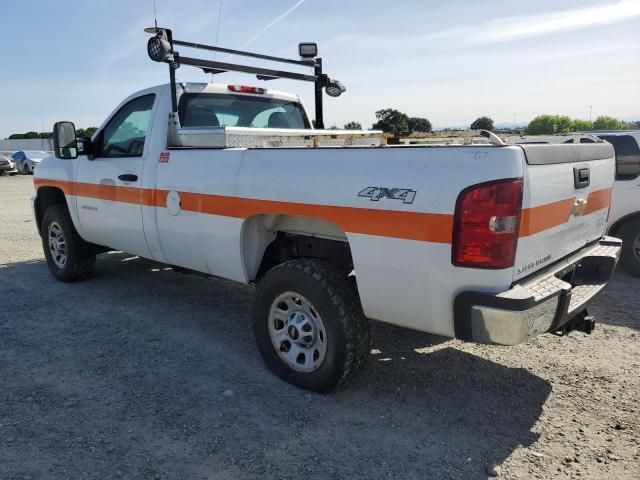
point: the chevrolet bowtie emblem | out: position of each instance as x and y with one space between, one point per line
579 207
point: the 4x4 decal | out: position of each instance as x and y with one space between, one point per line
376 193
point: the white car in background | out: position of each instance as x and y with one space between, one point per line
7 165
27 160
624 218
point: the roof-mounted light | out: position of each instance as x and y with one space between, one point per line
159 47
308 50
334 88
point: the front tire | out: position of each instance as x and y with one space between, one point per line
25 169
309 325
630 256
68 256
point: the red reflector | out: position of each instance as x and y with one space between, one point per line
246 89
486 225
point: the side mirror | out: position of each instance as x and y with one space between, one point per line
65 144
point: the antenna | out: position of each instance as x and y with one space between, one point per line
155 14
217 30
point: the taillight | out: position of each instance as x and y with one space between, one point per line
486 225
246 89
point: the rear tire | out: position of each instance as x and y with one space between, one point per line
25 169
309 325
68 256
630 256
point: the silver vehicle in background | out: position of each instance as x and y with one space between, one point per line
27 160
7 165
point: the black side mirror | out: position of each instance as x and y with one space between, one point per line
65 144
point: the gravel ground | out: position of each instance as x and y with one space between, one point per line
142 373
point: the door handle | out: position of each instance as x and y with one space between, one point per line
128 177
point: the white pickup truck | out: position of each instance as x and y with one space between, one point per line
485 243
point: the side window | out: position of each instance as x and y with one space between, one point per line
627 156
125 133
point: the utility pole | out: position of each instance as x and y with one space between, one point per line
590 111
514 121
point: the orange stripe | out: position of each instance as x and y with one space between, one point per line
598 200
426 227
536 219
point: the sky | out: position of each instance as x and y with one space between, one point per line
449 61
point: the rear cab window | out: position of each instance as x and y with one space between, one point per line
627 156
228 110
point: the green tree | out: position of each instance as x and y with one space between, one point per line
582 125
417 124
608 123
391 121
549 125
564 124
85 132
482 123
353 126
23 136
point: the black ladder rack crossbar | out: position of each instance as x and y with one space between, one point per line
320 79
303 63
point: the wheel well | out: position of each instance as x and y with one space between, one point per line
287 246
620 222
48 196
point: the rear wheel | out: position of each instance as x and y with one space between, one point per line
68 256
309 325
25 169
630 256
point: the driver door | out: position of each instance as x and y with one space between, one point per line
109 186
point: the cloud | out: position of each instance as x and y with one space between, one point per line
498 30
278 19
526 26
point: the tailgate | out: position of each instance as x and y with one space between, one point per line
566 199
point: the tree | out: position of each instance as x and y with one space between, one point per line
24 136
417 124
582 125
608 123
482 123
549 125
353 126
391 121
86 132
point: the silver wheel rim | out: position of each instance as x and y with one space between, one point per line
297 332
636 248
57 245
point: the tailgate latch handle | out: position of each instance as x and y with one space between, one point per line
581 177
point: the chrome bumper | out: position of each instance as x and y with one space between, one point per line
545 303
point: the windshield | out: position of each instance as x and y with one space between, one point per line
226 110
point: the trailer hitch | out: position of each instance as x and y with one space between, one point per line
583 322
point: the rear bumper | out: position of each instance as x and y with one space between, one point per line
545 303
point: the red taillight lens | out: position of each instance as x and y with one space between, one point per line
486 225
246 89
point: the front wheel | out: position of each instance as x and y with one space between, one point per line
68 256
309 325
630 256
25 169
